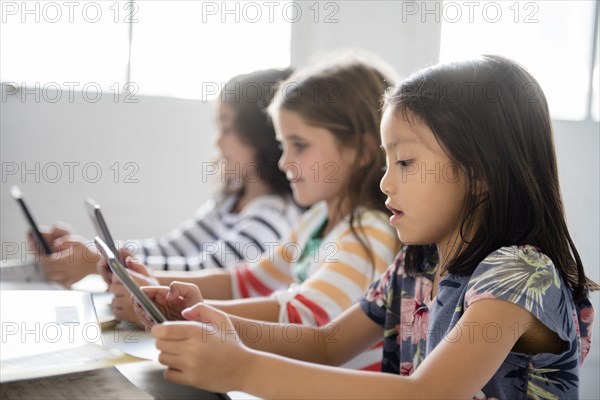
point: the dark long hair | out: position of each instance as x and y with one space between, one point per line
249 95
491 117
345 97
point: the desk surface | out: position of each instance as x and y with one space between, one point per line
147 375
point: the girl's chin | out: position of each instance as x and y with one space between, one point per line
302 201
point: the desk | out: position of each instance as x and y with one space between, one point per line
147 375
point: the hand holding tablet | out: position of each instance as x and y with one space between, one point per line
62 256
171 300
118 269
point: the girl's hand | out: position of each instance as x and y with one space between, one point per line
72 260
122 307
103 269
56 232
171 301
207 354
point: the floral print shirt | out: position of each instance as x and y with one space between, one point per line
414 324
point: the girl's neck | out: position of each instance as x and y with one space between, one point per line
251 191
454 243
336 211
445 254
447 250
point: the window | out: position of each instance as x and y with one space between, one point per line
168 48
595 102
191 48
58 45
552 39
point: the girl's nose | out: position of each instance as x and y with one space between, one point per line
282 163
385 184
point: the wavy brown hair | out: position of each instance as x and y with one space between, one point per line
345 97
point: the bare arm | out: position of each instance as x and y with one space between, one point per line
235 367
439 376
213 283
258 309
327 344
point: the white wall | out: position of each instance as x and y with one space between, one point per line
578 148
169 139
374 25
160 143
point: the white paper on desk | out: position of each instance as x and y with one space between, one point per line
35 322
105 383
77 359
51 332
128 338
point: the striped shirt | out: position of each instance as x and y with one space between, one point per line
217 237
338 276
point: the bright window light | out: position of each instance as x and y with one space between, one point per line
64 45
189 49
595 86
552 39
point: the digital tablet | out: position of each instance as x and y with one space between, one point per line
93 210
117 268
43 245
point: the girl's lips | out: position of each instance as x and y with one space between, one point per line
395 212
293 179
392 209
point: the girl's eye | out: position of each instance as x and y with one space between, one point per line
299 146
403 163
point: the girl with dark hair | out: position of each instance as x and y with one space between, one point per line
243 110
488 299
